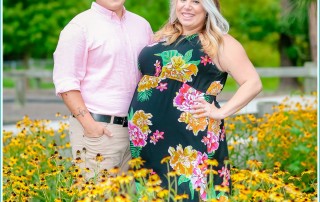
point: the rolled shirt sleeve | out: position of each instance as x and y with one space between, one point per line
70 59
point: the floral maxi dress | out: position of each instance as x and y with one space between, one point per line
162 130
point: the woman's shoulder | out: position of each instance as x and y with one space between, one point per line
230 41
230 45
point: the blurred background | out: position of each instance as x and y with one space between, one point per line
280 37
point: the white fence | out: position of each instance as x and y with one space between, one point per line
308 72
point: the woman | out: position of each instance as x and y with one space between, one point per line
174 112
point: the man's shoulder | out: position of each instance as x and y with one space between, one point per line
136 17
83 16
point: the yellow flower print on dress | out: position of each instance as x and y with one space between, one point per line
214 126
181 159
179 70
215 88
194 124
147 82
141 120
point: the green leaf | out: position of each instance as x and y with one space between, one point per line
295 166
196 63
299 123
130 115
135 151
210 155
295 131
144 95
220 194
139 187
211 194
189 38
167 55
182 179
191 190
187 56
207 98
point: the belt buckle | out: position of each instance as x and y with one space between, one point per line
112 118
125 122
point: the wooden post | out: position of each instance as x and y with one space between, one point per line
20 89
265 107
310 82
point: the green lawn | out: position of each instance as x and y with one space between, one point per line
269 84
9 83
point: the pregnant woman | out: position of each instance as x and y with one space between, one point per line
174 113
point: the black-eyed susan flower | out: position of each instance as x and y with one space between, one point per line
141 173
124 179
181 197
163 193
136 163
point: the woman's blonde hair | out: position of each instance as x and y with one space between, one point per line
211 33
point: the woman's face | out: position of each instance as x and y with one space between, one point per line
191 15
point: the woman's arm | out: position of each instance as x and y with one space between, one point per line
233 59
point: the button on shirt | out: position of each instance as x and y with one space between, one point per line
97 54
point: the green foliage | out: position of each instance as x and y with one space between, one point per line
7 83
37 164
31 29
155 11
258 25
254 24
286 138
144 95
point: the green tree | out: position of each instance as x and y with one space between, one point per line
295 28
155 11
274 33
255 26
31 28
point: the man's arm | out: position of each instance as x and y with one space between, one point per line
75 104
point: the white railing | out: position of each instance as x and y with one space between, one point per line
308 72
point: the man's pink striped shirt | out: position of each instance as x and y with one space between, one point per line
97 54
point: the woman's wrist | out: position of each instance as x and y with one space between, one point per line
217 113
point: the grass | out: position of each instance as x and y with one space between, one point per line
10 83
269 84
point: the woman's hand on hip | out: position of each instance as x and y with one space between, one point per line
205 109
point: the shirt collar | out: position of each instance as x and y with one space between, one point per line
107 12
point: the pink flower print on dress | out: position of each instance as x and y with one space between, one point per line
199 176
136 136
223 134
225 173
158 68
186 97
153 140
212 141
201 160
162 86
199 180
205 60
156 136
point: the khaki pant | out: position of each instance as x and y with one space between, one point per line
115 150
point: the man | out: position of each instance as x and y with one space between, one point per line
95 73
